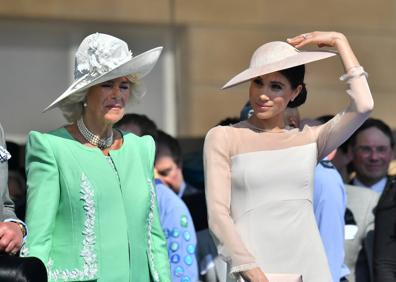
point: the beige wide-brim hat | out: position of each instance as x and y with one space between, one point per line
275 56
102 57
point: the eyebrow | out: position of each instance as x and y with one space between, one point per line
277 82
113 81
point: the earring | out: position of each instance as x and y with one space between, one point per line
85 104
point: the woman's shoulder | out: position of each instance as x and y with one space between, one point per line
225 129
53 134
141 143
216 133
45 142
130 137
223 137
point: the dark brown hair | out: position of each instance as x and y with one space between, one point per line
295 76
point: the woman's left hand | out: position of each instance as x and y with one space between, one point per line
319 38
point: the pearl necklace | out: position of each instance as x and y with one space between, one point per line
101 143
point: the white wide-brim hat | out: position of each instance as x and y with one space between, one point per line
102 57
275 56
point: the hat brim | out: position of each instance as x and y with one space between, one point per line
139 66
301 58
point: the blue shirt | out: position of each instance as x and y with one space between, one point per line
180 233
329 201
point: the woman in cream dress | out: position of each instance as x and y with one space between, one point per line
259 173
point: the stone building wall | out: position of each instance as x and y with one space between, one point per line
214 40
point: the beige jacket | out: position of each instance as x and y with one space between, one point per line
361 202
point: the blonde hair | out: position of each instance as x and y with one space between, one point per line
72 106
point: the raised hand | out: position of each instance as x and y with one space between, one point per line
329 39
319 38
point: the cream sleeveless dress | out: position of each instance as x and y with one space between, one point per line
259 189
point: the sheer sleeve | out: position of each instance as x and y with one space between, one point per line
217 163
333 133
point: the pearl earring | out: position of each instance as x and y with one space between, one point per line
85 104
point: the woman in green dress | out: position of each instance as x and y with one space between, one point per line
91 206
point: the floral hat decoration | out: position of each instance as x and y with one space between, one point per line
102 57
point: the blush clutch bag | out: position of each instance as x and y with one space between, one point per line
278 277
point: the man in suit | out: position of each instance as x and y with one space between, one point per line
385 235
371 150
12 230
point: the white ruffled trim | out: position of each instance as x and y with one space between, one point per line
356 71
149 228
4 155
24 251
90 268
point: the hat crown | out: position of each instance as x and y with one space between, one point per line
98 54
272 52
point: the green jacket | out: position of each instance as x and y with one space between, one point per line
86 222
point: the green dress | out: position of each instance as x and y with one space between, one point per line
92 217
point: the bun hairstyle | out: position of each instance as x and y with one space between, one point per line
300 99
295 76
